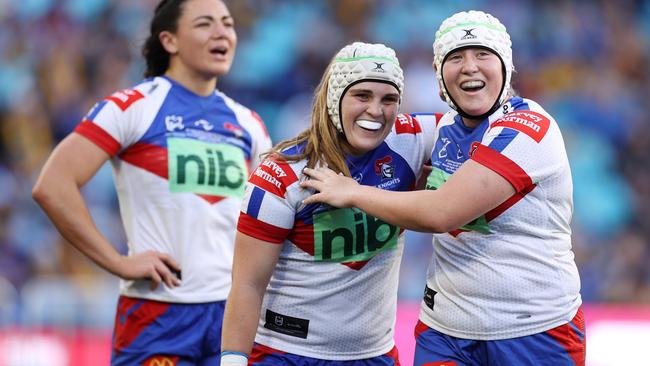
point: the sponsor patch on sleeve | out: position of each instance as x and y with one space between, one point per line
531 123
407 124
124 98
274 176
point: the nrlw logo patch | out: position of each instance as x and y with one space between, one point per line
206 168
350 235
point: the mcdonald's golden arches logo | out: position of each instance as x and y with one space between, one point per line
161 361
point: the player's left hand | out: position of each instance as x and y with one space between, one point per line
334 189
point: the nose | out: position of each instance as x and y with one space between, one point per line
375 108
469 65
219 30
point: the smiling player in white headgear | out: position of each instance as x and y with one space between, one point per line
325 279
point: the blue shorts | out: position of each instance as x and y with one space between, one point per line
267 356
154 333
561 346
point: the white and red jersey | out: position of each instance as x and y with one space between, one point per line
333 293
510 272
180 164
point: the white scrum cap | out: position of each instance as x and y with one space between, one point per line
360 62
473 28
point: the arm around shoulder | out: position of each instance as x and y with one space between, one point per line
469 193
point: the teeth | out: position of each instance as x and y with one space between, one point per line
472 84
369 125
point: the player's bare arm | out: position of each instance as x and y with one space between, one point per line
74 161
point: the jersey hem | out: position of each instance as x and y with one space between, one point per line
429 322
334 356
179 299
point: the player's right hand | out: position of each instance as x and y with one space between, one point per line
334 189
155 266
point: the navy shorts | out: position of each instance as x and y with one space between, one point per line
154 333
561 346
267 356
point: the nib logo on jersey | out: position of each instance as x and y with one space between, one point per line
206 168
350 235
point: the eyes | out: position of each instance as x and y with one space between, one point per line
366 96
208 21
479 54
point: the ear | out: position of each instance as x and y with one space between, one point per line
169 42
440 86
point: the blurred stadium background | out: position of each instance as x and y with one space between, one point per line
586 62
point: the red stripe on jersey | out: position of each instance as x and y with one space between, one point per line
438 117
457 232
210 198
499 163
405 123
531 123
151 158
355 265
509 170
261 122
571 341
124 98
261 230
154 159
274 176
133 315
495 212
302 236
99 136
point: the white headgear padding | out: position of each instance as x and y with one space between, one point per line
473 28
360 62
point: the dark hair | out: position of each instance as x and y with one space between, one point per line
165 18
